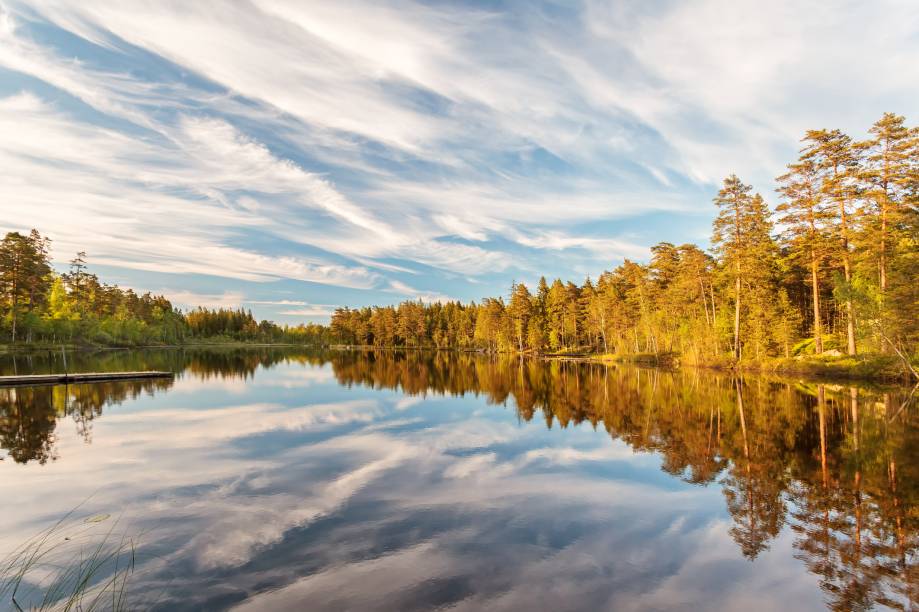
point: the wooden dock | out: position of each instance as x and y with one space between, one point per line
79 377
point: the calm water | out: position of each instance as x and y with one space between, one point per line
273 480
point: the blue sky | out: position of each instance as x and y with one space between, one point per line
293 156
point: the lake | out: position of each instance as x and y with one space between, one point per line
283 479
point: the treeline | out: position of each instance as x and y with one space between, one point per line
38 305
833 268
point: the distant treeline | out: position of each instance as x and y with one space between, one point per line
40 306
834 267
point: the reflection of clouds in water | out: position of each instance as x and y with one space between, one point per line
186 427
136 455
404 403
464 467
485 465
335 589
233 526
716 575
470 433
278 376
624 563
190 383
298 378
569 456
393 424
372 517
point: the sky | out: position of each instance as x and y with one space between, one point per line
291 157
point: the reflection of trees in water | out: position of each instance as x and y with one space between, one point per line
207 362
857 522
838 464
27 425
29 415
242 364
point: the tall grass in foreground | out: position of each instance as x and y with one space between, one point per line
76 564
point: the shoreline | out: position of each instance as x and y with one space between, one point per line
867 368
45 348
870 368
863 368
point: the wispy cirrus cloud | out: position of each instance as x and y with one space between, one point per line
190 299
429 297
309 310
381 148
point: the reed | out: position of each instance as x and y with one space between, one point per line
76 564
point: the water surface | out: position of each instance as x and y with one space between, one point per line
283 479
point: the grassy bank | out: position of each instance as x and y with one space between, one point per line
868 367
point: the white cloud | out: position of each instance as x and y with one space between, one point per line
367 141
119 198
277 302
429 297
733 85
310 310
606 249
191 299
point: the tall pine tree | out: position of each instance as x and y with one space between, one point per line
804 217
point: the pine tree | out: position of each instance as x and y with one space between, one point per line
520 310
586 294
24 274
761 282
733 201
836 161
542 295
555 314
888 176
805 217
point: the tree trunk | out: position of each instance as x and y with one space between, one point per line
603 333
737 240
14 303
737 316
711 294
850 314
883 254
704 300
818 332
882 264
847 271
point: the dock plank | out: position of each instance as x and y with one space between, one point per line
77 377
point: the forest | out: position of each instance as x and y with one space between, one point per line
42 307
831 270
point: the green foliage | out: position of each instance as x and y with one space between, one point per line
38 306
841 274
843 271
